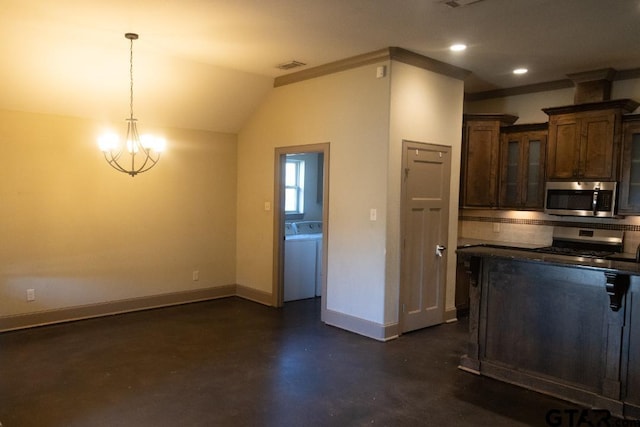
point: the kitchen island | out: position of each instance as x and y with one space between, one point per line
562 325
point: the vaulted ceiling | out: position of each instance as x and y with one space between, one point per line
207 64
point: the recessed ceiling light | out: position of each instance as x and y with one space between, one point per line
458 47
520 71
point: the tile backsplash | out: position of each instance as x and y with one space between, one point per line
505 232
535 228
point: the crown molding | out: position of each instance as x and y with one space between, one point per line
518 90
386 54
546 86
625 105
411 58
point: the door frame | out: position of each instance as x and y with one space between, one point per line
279 219
406 144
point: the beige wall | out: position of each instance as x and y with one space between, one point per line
78 232
364 119
349 110
425 107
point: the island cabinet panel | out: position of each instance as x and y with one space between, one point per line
631 355
546 320
561 325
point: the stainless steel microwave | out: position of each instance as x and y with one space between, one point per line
589 198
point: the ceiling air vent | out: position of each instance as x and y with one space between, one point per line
291 64
459 3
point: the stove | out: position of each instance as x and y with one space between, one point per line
585 253
585 242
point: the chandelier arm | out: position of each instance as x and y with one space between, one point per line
148 159
117 155
113 162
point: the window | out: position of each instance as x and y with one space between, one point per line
294 187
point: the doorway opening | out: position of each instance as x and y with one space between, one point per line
301 224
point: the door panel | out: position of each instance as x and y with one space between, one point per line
564 143
598 150
425 224
482 157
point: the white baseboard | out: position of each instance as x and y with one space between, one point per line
360 326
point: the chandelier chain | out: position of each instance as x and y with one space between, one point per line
131 79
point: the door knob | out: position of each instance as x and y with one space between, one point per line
440 249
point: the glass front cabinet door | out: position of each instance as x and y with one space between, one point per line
522 151
629 197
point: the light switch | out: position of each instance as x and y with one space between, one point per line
373 214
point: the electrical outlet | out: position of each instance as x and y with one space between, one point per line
196 275
31 295
496 227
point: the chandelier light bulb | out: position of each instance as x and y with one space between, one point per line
153 143
132 147
108 141
161 145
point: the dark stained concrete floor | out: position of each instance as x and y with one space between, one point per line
231 362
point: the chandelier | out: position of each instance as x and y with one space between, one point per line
139 153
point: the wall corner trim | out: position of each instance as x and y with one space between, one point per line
450 315
254 295
360 326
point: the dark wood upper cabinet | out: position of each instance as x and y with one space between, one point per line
481 159
629 191
584 140
522 159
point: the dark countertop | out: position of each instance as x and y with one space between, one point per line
522 254
465 241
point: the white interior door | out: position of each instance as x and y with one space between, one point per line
425 222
